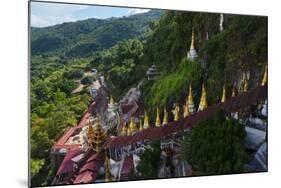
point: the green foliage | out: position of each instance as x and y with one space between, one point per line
73 74
36 165
149 163
87 80
82 38
215 146
121 64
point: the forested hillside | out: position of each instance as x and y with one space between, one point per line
82 38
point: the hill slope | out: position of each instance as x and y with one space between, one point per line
81 38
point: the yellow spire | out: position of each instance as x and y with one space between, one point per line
246 85
233 94
190 100
223 98
165 119
177 113
129 131
192 40
141 127
186 109
157 121
203 101
264 80
124 130
146 121
133 127
108 176
111 100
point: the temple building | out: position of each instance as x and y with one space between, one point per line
152 72
192 54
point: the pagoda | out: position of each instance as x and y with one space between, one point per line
165 119
177 113
223 98
146 121
191 107
192 54
132 126
157 121
140 127
97 135
203 101
264 79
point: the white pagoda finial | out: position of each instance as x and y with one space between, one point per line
221 22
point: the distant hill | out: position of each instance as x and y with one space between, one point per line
82 38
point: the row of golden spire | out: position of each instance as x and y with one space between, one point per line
188 107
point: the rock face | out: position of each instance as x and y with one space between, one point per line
259 162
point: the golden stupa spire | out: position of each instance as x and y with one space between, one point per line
108 176
146 121
192 40
177 113
133 126
190 100
264 79
223 98
186 109
157 121
99 134
141 127
129 131
234 91
203 101
111 100
124 130
246 85
165 119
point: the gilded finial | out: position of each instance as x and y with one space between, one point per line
192 40
141 127
108 176
133 126
223 98
146 121
264 80
190 100
124 130
177 113
234 91
165 119
186 109
203 101
246 85
157 121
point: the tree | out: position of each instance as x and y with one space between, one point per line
215 146
87 80
149 163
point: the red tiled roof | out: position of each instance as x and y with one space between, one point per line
67 163
90 169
